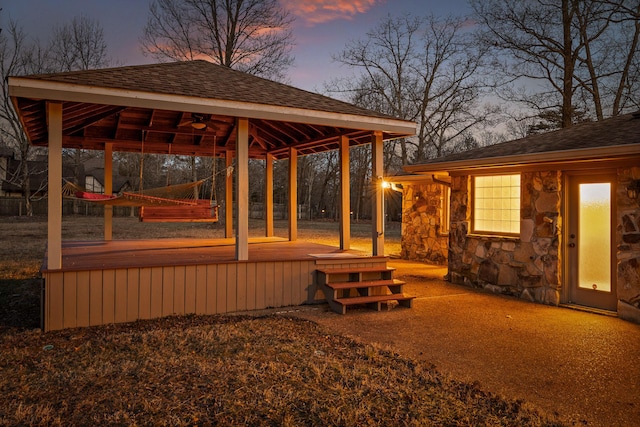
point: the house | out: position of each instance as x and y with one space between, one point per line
94 178
196 108
10 177
92 170
552 218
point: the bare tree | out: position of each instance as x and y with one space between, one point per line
327 172
79 44
249 35
13 61
610 31
570 56
422 69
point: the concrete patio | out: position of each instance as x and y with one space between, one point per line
583 366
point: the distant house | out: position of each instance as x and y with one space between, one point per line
10 175
5 155
552 218
92 173
94 178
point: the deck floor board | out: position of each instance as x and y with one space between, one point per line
91 255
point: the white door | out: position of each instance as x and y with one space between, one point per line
591 241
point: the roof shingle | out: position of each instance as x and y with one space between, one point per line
204 79
623 130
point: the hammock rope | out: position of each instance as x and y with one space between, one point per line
173 195
186 194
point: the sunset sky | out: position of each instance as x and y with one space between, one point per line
321 27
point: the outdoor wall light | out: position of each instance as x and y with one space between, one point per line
633 189
391 185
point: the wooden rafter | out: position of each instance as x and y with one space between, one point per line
90 126
88 117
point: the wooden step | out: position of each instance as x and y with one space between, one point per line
364 284
329 271
364 281
374 301
354 274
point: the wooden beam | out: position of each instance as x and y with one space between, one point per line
345 195
23 87
76 123
293 194
268 196
377 173
108 190
131 145
228 196
242 190
326 140
54 226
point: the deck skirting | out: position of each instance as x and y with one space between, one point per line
98 296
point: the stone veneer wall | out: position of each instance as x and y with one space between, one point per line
628 244
422 239
528 266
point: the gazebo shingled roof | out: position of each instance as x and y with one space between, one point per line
154 103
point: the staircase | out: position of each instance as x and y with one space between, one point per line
370 286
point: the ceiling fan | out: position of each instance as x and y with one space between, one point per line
198 122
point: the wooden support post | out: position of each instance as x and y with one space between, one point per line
54 226
377 173
293 194
228 196
108 190
345 195
268 196
242 190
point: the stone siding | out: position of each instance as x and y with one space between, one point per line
526 267
628 244
422 236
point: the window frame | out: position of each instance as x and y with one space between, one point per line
474 203
445 211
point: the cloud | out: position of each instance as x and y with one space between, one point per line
320 11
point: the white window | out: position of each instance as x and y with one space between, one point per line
496 204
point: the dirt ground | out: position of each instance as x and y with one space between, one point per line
582 366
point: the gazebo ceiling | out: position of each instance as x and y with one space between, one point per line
150 108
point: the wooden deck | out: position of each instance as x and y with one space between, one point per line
116 281
89 255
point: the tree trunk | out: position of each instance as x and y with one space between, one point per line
567 79
627 66
194 177
24 176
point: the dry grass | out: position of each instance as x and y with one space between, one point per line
226 370
212 370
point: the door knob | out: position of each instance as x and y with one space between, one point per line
572 245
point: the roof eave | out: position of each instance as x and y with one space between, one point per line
20 87
565 156
436 176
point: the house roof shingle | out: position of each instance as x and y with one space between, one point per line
581 141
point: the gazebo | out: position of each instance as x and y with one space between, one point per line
193 108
